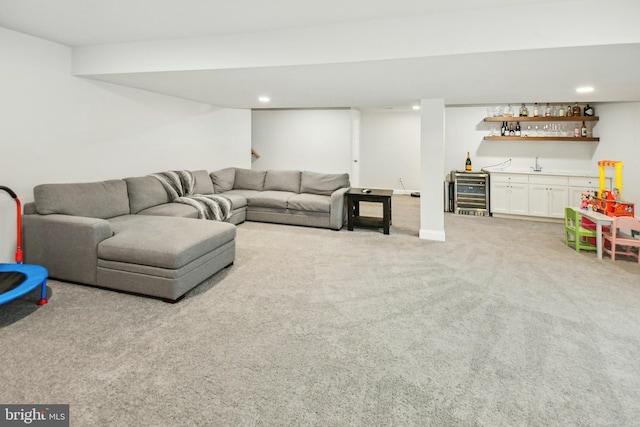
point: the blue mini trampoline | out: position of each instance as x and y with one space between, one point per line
19 279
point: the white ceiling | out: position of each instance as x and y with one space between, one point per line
94 22
494 75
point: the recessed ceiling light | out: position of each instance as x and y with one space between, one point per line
416 107
584 89
264 99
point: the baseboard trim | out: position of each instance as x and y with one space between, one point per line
529 218
435 235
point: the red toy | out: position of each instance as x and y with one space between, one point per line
609 202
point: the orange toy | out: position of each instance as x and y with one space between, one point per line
609 202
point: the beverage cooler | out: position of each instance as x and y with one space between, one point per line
470 193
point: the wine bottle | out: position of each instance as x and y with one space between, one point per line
518 129
467 164
583 130
512 131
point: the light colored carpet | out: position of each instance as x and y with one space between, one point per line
501 325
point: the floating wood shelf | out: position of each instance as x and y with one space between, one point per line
540 138
543 119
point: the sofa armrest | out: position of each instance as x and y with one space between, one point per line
338 210
66 245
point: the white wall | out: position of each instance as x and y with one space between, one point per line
389 149
314 140
619 129
60 128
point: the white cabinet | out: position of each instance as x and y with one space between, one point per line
548 195
578 185
538 195
509 194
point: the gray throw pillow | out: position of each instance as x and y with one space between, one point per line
249 179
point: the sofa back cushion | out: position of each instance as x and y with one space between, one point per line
203 184
282 181
104 199
249 179
323 183
223 180
145 192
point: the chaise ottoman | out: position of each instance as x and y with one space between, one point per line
163 256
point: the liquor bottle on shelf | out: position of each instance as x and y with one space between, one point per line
588 111
547 110
561 111
508 111
467 164
536 110
512 131
569 111
583 130
503 129
576 131
518 129
577 111
524 112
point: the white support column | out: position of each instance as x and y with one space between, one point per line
432 169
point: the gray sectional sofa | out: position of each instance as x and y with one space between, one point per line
129 235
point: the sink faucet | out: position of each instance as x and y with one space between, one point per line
538 168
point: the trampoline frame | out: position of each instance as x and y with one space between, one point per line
35 275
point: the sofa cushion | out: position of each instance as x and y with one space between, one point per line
248 179
171 209
223 179
237 201
203 183
104 199
165 242
282 181
145 192
243 193
310 202
269 199
322 183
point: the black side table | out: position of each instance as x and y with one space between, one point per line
356 195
